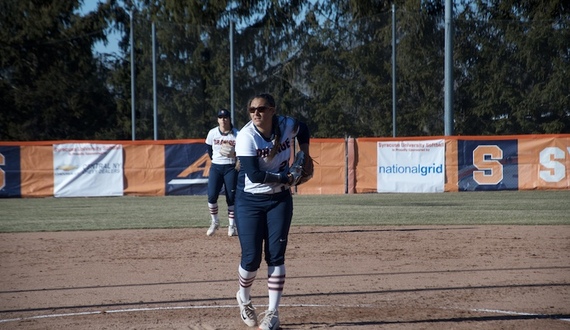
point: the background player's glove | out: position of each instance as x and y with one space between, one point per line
302 168
228 151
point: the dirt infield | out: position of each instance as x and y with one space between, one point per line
432 277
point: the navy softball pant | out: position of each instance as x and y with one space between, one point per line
263 219
225 175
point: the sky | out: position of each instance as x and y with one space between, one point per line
113 38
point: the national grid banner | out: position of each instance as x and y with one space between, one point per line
411 166
87 170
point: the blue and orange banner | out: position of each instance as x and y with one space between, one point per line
187 169
487 165
10 184
181 167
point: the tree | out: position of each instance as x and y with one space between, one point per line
51 86
512 59
326 62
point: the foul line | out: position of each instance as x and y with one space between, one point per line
148 309
157 309
498 311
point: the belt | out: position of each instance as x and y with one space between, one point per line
280 189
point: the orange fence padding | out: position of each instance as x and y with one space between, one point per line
341 165
330 168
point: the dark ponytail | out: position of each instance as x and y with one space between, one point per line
277 131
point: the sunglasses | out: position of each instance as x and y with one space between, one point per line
261 109
222 117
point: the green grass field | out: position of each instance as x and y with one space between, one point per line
466 208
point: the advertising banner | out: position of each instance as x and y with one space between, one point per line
411 166
544 163
487 165
10 171
85 170
187 169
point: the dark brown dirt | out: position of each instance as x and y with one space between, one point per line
432 277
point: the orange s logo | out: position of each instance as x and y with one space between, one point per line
487 159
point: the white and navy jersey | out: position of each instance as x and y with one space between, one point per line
250 142
216 139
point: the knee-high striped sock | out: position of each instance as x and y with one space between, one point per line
275 284
231 218
214 212
245 282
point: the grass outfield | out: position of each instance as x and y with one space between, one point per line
128 212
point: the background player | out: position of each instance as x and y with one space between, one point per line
221 148
264 205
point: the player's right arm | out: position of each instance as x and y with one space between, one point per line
250 164
210 151
209 143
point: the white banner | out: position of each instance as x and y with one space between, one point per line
411 166
85 170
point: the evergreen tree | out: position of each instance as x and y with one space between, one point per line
328 63
51 86
512 59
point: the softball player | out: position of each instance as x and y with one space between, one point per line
264 205
221 142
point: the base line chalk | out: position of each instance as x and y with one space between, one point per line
150 309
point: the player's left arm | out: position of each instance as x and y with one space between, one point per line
304 137
302 168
